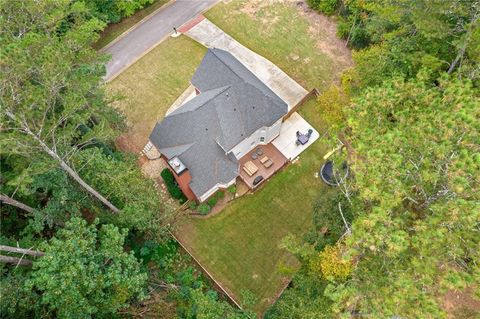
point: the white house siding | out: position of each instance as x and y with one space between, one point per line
215 188
268 133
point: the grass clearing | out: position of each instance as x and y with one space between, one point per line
152 84
114 30
240 246
281 33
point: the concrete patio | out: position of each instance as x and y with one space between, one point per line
286 141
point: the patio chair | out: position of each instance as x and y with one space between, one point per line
259 151
254 156
309 133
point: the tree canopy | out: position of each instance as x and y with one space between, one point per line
86 272
409 114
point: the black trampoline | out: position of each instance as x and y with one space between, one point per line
333 178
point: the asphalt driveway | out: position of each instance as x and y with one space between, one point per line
151 32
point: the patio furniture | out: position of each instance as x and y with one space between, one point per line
268 163
309 133
302 139
250 168
254 156
257 180
246 170
259 151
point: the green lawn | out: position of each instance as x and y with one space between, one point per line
239 246
112 31
280 33
152 84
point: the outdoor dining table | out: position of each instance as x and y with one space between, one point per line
302 139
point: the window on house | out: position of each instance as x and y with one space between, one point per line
262 139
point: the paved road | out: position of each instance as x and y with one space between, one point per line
148 34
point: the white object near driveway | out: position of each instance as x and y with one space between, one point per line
211 36
286 141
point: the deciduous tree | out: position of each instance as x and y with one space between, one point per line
49 84
86 272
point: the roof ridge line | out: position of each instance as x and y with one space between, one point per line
228 67
245 81
205 102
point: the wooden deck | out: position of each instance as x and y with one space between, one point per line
269 150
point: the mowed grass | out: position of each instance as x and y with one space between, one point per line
240 245
281 34
149 87
114 30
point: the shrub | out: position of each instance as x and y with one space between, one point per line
172 185
203 209
232 189
167 176
330 265
192 205
212 201
343 28
220 194
326 6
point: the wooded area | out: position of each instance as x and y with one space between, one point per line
85 234
410 113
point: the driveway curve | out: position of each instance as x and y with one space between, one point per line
150 32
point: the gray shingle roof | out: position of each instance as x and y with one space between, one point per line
232 105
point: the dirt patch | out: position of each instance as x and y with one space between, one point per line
252 7
461 304
324 30
130 142
242 188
